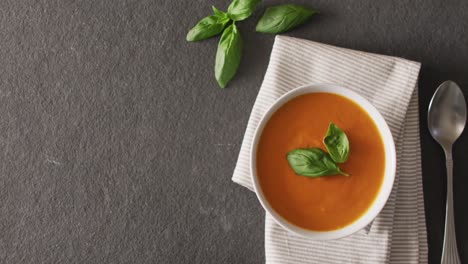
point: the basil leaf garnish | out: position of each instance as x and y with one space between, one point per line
313 162
228 55
282 18
209 26
241 9
337 143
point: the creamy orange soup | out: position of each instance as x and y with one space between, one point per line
329 202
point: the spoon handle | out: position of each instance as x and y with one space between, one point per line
449 250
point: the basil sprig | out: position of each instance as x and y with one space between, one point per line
241 9
228 55
313 162
337 143
209 26
275 20
282 18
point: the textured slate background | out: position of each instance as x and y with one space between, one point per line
118 146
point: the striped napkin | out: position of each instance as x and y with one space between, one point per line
398 234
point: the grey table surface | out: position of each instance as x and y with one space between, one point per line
118 146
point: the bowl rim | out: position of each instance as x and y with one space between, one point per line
390 162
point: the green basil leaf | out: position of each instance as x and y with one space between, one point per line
228 55
241 9
282 18
337 143
313 162
209 26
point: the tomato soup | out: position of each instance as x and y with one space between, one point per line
329 202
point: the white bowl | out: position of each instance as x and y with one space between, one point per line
390 163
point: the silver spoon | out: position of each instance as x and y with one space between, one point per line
446 120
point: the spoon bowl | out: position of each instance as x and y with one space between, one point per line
447 114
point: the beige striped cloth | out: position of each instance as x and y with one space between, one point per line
398 234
